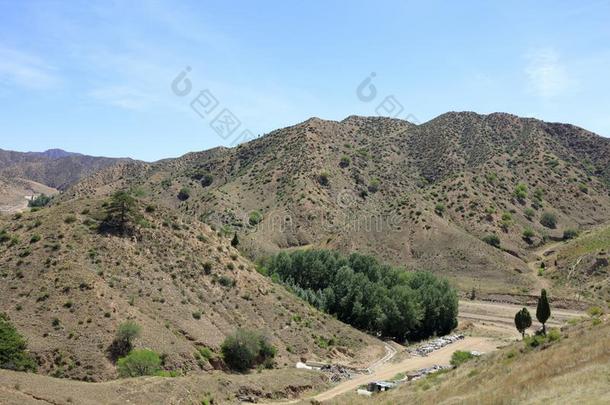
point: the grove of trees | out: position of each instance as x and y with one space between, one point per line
374 297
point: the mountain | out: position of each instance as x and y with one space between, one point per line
424 196
66 287
54 168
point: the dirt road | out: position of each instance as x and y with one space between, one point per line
388 370
502 316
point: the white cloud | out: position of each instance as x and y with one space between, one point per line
547 76
26 70
123 97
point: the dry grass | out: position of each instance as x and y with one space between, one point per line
574 370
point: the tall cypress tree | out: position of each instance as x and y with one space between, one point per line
543 310
523 320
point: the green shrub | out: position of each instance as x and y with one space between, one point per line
534 341
70 219
35 238
255 218
324 178
226 281
460 357
345 161
529 213
570 234
548 220
553 335
439 209
184 194
13 354
123 340
244 350
595 312
492 240
528 233
139 363
521 192
374 185
583 188
41 201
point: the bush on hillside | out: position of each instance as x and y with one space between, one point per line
123 340
184 194
549 220
255 218
40 201
460 357
492 240
245 349
139 363
570 234
13 354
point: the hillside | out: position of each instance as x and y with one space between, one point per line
424 196
66 288
54 168
15 192
574 369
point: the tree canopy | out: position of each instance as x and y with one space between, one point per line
368 295
543 310
13 354
121 213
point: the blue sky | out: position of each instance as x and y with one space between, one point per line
96 76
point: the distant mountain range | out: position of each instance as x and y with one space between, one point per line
54 168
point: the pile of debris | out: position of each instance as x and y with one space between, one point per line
416 375
337 373
435 344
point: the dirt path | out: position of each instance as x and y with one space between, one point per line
501 316
545 253
389 370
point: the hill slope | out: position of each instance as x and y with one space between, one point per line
424 196
67 288
573 370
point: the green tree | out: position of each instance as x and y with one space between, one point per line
245 349
523 320
123 340
543 310
13 354
139 363
235 240
121 213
